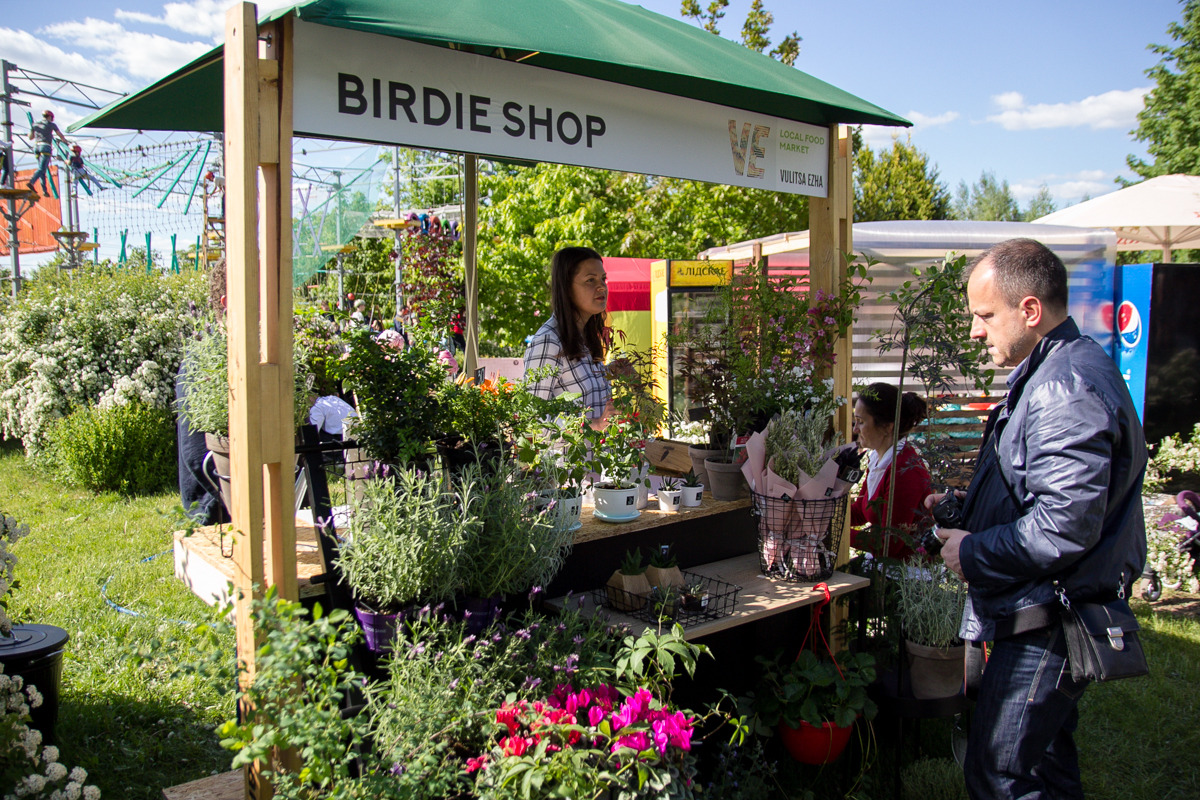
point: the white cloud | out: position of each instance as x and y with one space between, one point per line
140 54
925 121
198 18
1115 109
1066 188
879 136
30 52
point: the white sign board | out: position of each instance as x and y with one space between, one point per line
365 87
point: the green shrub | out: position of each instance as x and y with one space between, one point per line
122 448
933 779
1175 463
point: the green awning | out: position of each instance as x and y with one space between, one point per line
605 39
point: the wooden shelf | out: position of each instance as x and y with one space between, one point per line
594 529
760 597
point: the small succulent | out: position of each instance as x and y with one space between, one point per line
691 479
632 564
663 557
669 485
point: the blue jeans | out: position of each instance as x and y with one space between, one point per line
1021 743
43 168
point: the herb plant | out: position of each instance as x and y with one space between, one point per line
930 602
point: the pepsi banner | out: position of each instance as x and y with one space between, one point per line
370 88
1130 317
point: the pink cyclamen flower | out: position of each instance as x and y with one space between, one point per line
477 763
636 741
449 361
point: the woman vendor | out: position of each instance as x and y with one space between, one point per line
874 419
574 338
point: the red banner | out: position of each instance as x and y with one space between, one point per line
36 227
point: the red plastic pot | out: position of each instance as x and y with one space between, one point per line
812 744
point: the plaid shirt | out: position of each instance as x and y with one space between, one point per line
586 376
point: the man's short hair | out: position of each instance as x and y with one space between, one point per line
1026 268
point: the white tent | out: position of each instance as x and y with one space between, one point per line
1162 212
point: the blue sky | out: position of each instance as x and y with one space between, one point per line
1041 92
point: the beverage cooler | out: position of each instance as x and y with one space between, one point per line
681 295
1158 343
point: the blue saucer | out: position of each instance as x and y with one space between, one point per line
616 517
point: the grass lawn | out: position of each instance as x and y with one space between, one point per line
136 727
128 722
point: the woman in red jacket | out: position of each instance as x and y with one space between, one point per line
874 419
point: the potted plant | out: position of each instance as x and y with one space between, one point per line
694 596
204 403
664 571
396 390
553 449
408 533
628 587
665 602
930 601
670 495
692 491
513 547
617 454
814 702
631 375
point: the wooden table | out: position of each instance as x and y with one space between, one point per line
760 597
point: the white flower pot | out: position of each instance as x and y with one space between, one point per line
566 512
669 501
615 504
692 495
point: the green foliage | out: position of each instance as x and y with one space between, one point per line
1169 123
93 336
988 199
898 184
129 449
515 546
433 280
814 690
1040 205
396 389
204 404
756 30
663 557
408 533
1175 463
930 602
935 327
797 440
633 563
302 679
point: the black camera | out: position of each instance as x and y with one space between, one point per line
947 513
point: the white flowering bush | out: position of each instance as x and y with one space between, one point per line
27 769
1176 569
98 336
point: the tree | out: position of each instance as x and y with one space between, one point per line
897 183
988 199
1040 205
755 30
1169 122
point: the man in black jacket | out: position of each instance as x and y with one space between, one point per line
1055 499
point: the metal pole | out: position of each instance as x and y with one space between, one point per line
13 216
396 234
470 207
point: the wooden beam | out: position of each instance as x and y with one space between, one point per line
258 134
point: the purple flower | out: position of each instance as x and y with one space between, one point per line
578 640
531 683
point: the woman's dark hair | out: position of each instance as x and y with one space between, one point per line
879 399
564 265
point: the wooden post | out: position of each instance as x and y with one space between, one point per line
830 222
258 142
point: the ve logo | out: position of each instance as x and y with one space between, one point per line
756 143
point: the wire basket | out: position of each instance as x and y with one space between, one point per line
714 600
798 540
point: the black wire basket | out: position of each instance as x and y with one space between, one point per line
798 540
709 599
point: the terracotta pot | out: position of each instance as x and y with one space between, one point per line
627 592
698 455
935 672
725 480
692 495
811 744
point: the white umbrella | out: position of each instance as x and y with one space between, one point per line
1162 212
